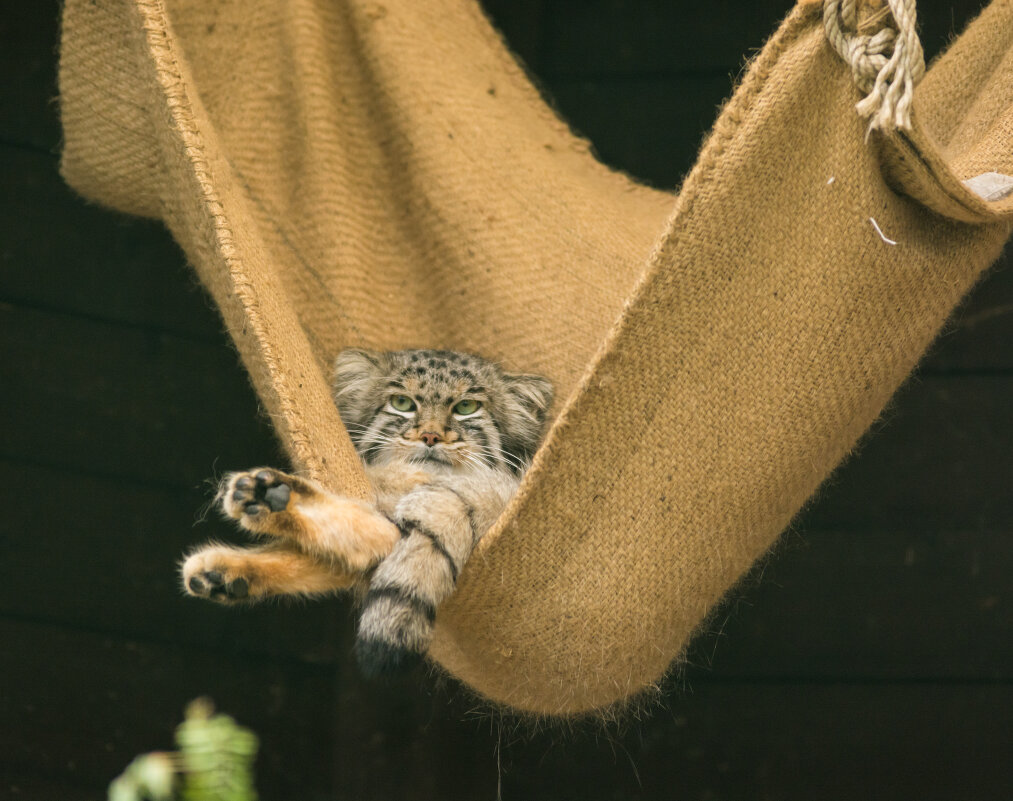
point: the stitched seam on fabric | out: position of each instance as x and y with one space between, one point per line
180 110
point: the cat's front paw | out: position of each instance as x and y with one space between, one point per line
207 574
255 494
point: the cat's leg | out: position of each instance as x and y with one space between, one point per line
228 574
437 537
275 504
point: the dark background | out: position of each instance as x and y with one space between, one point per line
870 657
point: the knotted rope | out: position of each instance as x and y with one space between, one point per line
886 64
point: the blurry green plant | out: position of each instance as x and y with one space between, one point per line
214 763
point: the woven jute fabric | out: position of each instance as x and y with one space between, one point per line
349 173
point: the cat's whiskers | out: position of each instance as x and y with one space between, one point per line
378 437
358 431
504 456
480 463
377 442
360 426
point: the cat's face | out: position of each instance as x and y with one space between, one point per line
439 408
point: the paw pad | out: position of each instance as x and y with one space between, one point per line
264 490
212 584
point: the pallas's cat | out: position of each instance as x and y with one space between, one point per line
445 438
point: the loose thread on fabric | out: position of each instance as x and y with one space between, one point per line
879 231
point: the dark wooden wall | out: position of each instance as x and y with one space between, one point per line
870 657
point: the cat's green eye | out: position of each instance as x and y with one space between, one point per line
467 406
402 403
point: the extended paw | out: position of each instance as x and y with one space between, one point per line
300 511
256 493
205 576
212 584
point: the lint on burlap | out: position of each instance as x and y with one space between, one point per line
351 173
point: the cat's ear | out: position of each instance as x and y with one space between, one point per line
529 399
358 375
533 392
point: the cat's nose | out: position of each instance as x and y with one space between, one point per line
430 438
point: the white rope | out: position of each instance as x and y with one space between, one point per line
886 65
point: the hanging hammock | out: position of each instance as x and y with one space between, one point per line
352 173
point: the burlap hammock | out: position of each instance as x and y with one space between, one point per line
351 173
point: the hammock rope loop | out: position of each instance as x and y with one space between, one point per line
886 64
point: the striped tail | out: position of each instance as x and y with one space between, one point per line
396 626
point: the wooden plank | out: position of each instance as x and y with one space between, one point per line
66 255
77 707
873 605
650 128
144 406
111 551
595 38
793 742
940 458
28 36
520 23
618 37
977 337
21 785
834 742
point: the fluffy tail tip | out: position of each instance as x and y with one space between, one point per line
378 659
